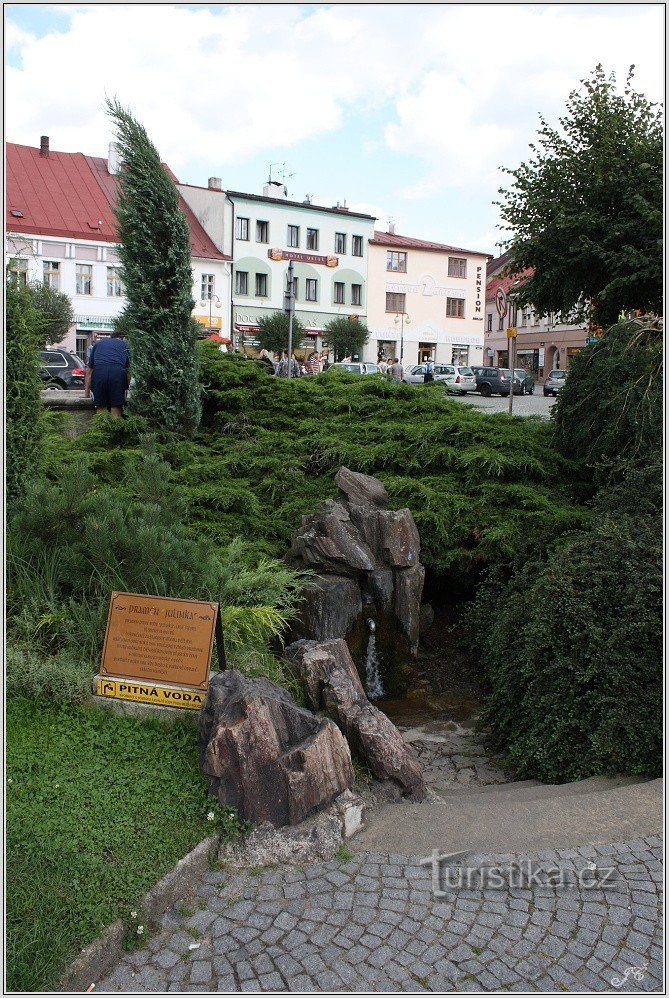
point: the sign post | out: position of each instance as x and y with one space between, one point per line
158 650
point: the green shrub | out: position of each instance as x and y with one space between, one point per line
572 649
22 390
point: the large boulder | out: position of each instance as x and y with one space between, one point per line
359 488
267 757
331 683
332 605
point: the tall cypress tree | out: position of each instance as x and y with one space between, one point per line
155 257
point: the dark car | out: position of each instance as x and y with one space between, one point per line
495 381
526 379
554 382
61 371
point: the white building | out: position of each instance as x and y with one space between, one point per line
328 248
426 301
61 229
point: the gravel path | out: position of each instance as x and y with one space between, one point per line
373 923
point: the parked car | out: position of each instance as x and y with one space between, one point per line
455 377
526 379
61 371
355 367
554 382
495 381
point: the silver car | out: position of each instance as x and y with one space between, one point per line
356 367
554 382
455 377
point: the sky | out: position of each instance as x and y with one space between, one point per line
403 111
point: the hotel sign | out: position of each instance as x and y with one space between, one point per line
324 261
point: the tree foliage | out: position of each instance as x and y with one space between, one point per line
586 210
346 336
22 390
155 256
610 410
54 310
273 333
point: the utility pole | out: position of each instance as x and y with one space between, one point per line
511 334
289 307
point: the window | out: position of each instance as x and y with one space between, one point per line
489 322
293 235
339 292
356 294
457 267
526 317
242 282
18 271
395 302
500 325
242 229
207 286
311 289
114 285
52 275
396 261
261 285
296 282
262 232
312 239
340 242
455 308
84 279
357 246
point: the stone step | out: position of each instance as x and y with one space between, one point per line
526 790
493 822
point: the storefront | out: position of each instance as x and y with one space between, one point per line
88 329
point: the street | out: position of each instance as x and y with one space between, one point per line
523 405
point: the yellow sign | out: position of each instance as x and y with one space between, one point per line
512 332
215 322
165 696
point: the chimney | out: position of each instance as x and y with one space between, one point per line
215 184
114 159
391 226
44 145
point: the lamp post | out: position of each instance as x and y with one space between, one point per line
400 317
219 304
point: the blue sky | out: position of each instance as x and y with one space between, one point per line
401 110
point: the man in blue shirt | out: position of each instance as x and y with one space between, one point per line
108 374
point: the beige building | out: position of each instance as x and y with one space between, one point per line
425 301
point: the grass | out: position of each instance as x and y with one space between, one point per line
98 809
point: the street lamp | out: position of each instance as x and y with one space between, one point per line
400 317
219 304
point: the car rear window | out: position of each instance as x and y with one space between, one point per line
558 374
467 371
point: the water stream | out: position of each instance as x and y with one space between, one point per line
373 682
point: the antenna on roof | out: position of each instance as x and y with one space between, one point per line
280 173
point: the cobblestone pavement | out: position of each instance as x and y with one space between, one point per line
372 923
523 405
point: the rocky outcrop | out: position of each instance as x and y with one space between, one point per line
364 556
331 683
267 757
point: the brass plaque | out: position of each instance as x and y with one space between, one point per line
164 696
159 640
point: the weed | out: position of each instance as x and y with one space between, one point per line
185 912
344 854
195 933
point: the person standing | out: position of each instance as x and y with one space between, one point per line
107 376
383 366
267 360
313 363
395 371
428 370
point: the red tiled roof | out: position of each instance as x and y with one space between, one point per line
60 194
505 283
408 242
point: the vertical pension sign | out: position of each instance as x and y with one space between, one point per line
157 650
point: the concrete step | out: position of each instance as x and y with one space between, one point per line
494 822
526 790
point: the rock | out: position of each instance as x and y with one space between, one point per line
361 489
408 591
425 618
400 542
331 682
381 586
332 605
329 542
267 757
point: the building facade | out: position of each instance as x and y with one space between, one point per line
426 301
61 229
543 343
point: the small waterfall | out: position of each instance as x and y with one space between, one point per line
373 682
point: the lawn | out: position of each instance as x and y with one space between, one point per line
98 809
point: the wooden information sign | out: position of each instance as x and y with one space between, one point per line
159 640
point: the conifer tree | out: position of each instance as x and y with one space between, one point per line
155 256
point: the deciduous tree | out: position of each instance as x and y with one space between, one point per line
273 334
347 336
585 212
